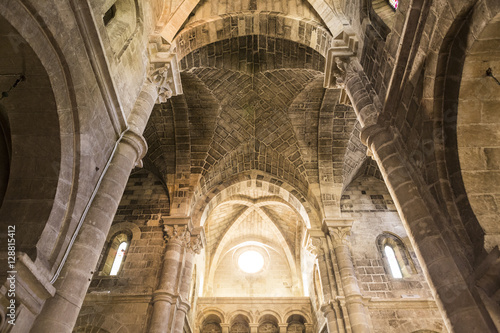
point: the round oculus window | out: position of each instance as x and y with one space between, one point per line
251 261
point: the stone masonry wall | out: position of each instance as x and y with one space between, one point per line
369 203
124 298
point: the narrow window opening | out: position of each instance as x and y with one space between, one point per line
393 263
118 259
393 3
109 15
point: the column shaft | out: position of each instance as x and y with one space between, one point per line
356 310
185 283
60 312
462 310
165 296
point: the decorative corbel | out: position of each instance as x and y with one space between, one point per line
313 243
344 46
163 69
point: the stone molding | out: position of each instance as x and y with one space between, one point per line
313 242
344 46
138 142
163 69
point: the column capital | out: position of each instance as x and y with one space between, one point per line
163 69
177 234
179 230
339 229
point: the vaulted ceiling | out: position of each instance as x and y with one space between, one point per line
252 75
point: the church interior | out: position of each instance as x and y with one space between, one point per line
250 166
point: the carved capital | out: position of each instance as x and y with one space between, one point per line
314 246
340 235
177 234
195 245
163 69
344 46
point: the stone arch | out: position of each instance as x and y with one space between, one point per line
283 197
205 194
294 315
124 226
403 256
211 323
56 165
270 315
211 314
240 316
332 19
317 37
442 145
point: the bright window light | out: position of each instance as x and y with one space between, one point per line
118 258
396 271
251 261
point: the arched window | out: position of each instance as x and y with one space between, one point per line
116 253
393 262
117 262
397 259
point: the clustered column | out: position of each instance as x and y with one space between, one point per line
339 231
171 298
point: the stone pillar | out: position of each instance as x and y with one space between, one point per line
462 310
283 328
59 313
225 328
193 247
170 299
254 328
339 231
331 318
316 246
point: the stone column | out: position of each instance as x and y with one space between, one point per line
165 295
283 328
316 241
170 299
444 269
193 246
225 328
254 328
60 312
331 318
339 231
